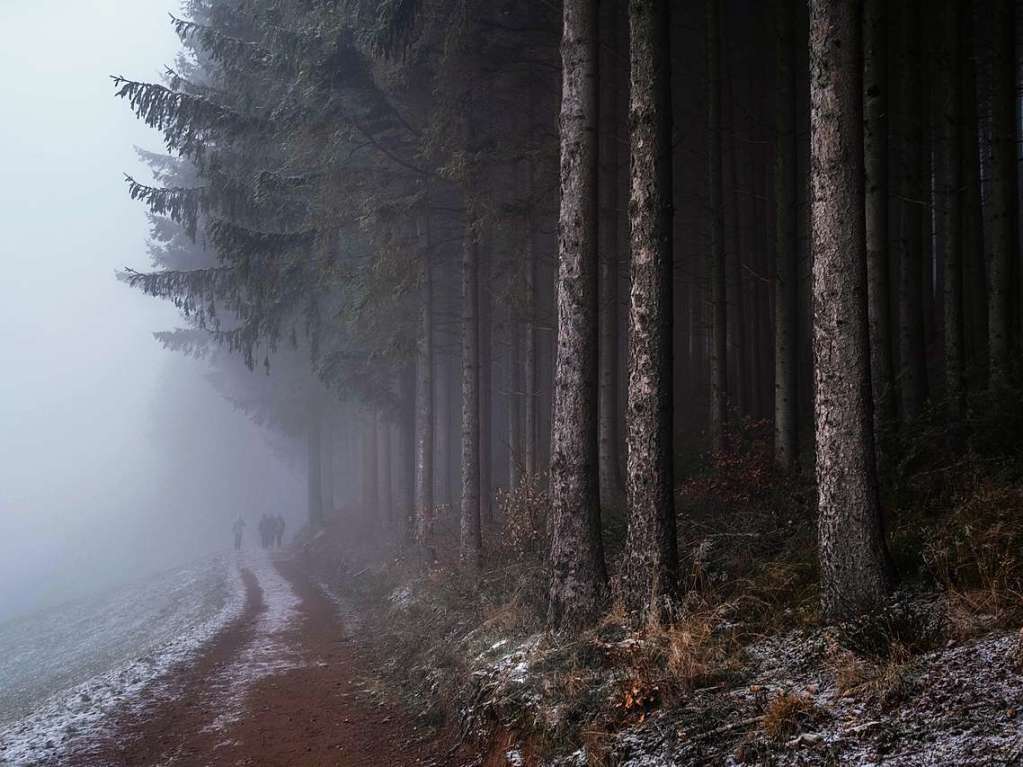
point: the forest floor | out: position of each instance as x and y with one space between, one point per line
281 685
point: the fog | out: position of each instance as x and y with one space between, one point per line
116 456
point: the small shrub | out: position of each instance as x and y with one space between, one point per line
523 511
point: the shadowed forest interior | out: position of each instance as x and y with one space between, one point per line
643 339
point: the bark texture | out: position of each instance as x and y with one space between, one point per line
950 210
875 166
424 411
851 543
786 254
515 416
650 567
470 541
612 491
578 576
485 375
1003 191
912 219
716 254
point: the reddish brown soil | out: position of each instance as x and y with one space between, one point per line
316 714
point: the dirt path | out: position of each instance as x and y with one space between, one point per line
287 696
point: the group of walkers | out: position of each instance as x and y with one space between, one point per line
271 531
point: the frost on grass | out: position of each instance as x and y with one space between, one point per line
192 606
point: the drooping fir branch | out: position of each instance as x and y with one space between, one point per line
178 82
180 204
185 120
221 47
189 341
194 292
235 242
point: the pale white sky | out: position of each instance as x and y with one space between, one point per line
83 469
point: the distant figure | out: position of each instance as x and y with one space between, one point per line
239 528
265 533
279 530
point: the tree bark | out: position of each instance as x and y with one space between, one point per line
875 149
786 256
371 480
424 416
326 461
1003 192
531 426
912 207
851 542
650 567
974 272
470 541
741 371
407 481
578 574
516 385
948 167
485 369
716 255
611 485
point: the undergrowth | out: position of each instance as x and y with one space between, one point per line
472 649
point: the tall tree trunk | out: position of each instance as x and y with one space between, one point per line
515 398
786 255
371 481
485 368
578 574
716 255
974 273
470 541
314 467
950 210
424 415
741 380
611 487
327 461
1003 191
912 221
531 402
851 541
875 150
406 507
650 569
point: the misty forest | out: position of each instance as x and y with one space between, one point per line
647 373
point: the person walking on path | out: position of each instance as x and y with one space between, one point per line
239 528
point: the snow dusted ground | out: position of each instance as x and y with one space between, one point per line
64 671
268 652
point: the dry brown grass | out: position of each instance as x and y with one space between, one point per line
880 681
975 556
786 715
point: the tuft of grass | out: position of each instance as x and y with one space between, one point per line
884 682
787 714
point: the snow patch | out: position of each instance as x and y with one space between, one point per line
80 714
268 652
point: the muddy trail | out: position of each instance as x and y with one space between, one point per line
280 686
